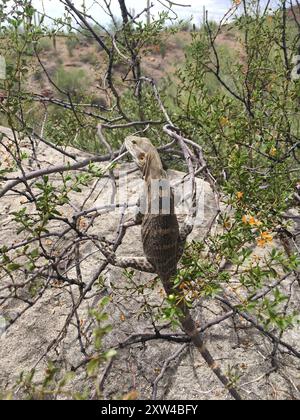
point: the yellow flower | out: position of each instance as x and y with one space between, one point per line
227 224
264 239
239 195
183 286
252 221
256 258
245 219
273 151
267 236
224 121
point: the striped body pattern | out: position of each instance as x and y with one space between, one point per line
160 234
160 230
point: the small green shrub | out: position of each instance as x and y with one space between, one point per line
44 45
87 37
98 101
74 82
38 75
59 61
72 43
89 58
163 49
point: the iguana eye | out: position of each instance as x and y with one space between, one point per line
142 156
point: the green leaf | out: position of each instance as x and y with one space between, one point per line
13 266
110 353
92 366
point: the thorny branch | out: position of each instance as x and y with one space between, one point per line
70 240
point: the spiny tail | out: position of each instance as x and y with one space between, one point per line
189 327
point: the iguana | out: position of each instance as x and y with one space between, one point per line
163 241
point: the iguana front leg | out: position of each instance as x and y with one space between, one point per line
184 232
139 215
180 248
137 263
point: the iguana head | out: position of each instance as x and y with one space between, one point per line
145 156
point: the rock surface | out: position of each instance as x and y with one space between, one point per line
240 349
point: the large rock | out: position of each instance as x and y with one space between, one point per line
240 349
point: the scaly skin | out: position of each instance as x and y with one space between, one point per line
160 229
162 241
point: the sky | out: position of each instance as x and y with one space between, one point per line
216 8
